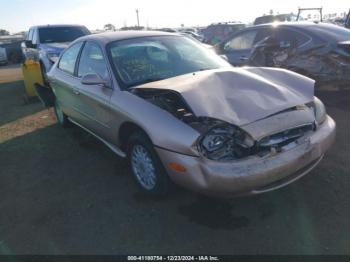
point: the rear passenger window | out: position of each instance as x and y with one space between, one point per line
92 61
69 57
289 38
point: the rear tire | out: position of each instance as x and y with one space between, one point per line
146 167
62 118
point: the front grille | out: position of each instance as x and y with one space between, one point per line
279 140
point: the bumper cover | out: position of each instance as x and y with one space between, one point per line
255 174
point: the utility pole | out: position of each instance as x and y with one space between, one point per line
137 15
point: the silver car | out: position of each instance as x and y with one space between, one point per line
178 112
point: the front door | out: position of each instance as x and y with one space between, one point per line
94 99
238 49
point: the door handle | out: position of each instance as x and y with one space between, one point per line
76 91
243 58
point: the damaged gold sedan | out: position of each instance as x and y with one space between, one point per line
178 112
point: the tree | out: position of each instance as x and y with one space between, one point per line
4 32
109 27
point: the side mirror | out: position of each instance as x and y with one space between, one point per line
29 44
94 79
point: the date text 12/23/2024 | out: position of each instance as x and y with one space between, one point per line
173 258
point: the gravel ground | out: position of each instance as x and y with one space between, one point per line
63 192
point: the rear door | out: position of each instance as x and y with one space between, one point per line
289 38
65 83
94 99
238 49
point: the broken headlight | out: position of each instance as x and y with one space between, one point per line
225 142
320 111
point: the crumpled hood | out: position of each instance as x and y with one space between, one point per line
240 95
54 47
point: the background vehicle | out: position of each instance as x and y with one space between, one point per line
320 51
315 17
194 35
275 18
179 112
215 33
168 30
347 20
45 43
3 56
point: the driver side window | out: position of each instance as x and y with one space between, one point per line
92 61
243 41
69 57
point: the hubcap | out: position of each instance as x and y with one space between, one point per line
59 113
143 167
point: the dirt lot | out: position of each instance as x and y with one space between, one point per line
63 192
10 73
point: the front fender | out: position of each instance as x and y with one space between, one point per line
165 130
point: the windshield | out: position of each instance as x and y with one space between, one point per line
141 60
61 34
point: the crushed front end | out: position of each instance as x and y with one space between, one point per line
255 158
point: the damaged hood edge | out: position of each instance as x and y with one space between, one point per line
239 96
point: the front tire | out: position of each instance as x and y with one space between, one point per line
145 165
62 119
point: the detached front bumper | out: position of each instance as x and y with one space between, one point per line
255 174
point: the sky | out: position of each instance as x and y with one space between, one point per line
19 15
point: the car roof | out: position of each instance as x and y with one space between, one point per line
56 25
105 38
226 24
325 31
299 25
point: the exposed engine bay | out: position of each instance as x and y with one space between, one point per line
219 140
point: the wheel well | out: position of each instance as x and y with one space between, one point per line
126 130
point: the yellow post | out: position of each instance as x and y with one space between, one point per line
31 75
